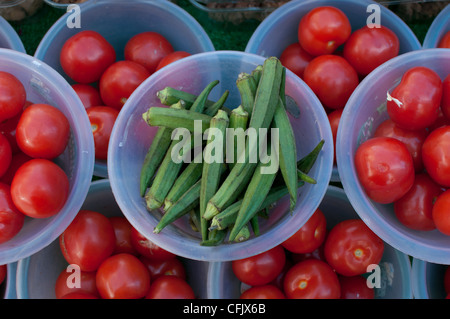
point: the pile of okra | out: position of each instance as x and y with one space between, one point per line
223 199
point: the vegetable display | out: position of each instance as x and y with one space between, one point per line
224 195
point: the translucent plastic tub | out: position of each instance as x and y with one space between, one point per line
118 21
8 288
440 25
363 113
131 138
9 39
45 85
37 274
427 280
267 39
395 266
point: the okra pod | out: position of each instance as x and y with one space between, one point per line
226 217
215 237
256 73
212 109
238 120
194 218
176 118
155 153
212 165
199 104
306 163
255 225
242 235
246 86
186 203
306 178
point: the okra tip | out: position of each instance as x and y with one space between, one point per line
210 211
152 203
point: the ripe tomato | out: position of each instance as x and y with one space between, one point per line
334 118
445 103
122 276
86 55
367 48
3 271
171 57
414 209
263 292
355 287
414 103
17 160
436 155
65 284
413 140
323 30
12 96
441 212
88 240
43 131
295 58
351 246
332 79
260 269
157 268
385 169
147 248
119 81
79 295
11 219
311 279
40 188
310 236
102 119
122 231
5 155
8 129
147 49
170 287
445 41
89 95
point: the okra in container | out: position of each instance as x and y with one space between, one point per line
207 83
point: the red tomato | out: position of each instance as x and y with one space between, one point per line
102 119
170 287
86 55
119 81
171 57
260 269
147 248
40 188
436 155
334 117
157 268
122 231
445 41
3 271
442 120
122 276
414 209
17 160
65 283
8 129
79 295
355 287
413 140
445 102
317 254
88 240
323 30
295 58
12 96
263 292
43 131
11 219
441 212
310 236
147 49
414 103
332 79
447 280
5 155
311 279
89 95
351 247
385 169
367 48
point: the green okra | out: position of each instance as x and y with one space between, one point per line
215 237
176 118
199 104
212 109
246 86
238 120
306 163
194 218
305 177
256 73
255 224
242 235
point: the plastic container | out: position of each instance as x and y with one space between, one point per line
427 280
111 18
8 287
266 39
131 138
37 274
60 5
440 25
45 85
395 266
365 110
9 39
